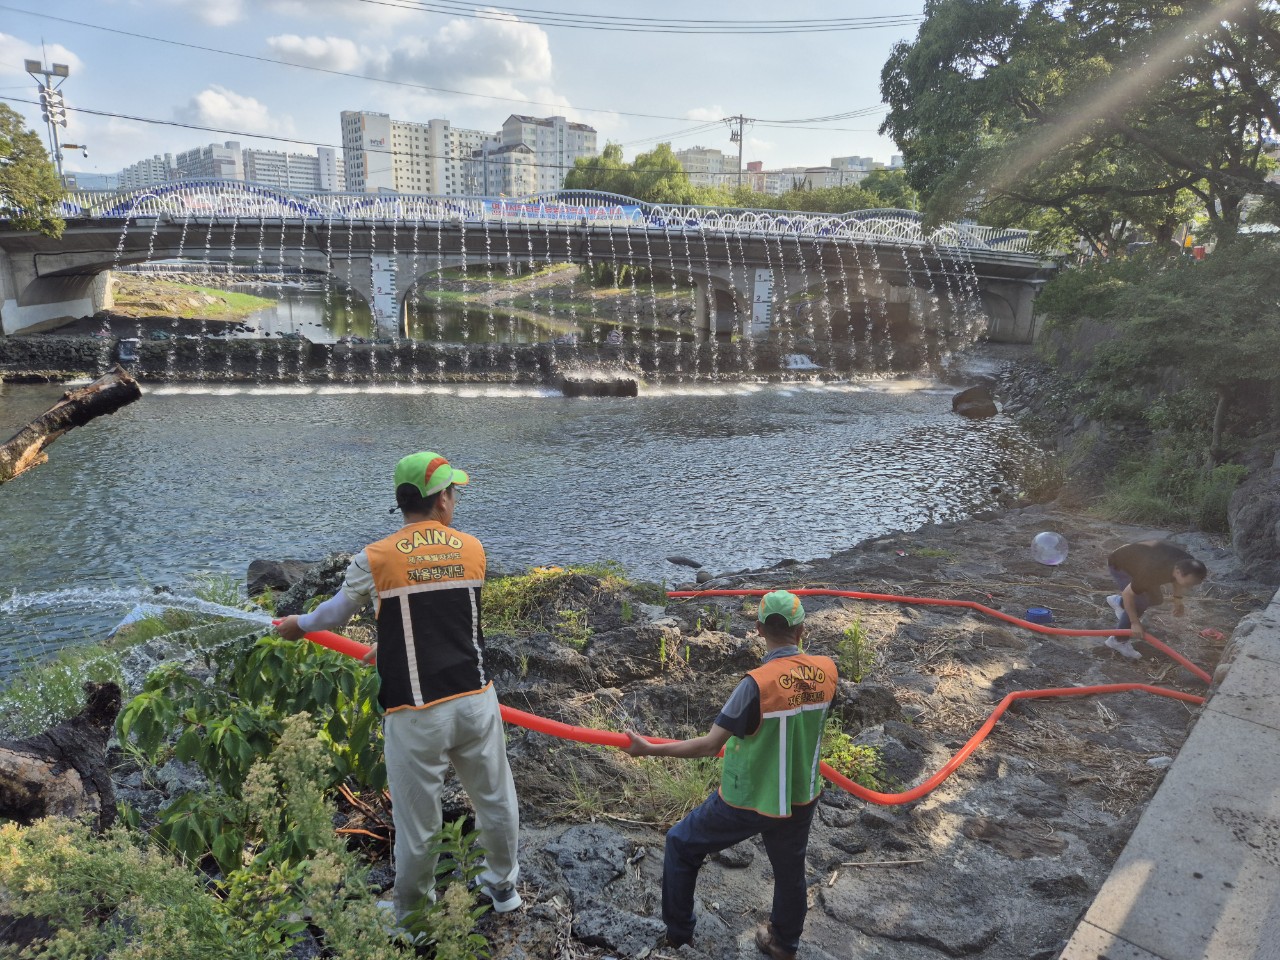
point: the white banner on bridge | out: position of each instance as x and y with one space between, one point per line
384 290
761 301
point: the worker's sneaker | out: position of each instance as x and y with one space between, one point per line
505 898
1123 647
387 921
769 946
1117 604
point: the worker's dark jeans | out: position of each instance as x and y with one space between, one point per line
716 826
1141 600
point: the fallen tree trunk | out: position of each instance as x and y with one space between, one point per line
63 771
105 395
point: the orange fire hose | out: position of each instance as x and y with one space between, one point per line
969 604
607 738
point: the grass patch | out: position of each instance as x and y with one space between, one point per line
934 553
446 298
46 692
135 297
1170 488
500 276
657 790
526 602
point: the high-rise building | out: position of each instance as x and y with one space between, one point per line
332 179
556 144
213 161
288 171
707 167
502 170
366 151
147 173
385 154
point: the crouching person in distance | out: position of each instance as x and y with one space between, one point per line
771 729
440 708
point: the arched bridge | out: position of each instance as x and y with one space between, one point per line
749 268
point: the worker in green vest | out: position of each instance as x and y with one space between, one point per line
771 731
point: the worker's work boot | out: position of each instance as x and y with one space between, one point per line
769 945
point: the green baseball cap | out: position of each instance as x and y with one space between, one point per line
784 603
429 472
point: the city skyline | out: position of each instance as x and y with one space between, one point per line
495 64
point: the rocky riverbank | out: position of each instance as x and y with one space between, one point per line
996 864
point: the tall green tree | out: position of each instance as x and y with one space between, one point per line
1092 116
655 177
893 189
29 187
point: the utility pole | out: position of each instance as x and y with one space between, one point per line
52 107
735 136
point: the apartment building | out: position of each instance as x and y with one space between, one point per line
707 167
502 170
556 144
380 153
223 162
146 173
777 182
288 171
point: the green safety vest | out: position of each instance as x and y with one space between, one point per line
776 767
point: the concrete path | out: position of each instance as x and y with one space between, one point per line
1200 877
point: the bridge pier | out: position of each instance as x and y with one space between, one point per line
1011 309
29 305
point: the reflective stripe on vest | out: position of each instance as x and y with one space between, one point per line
777 766
430 642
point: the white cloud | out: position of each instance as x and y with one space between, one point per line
487 56
373 15
216 13
14 51
222 13
219 107
706 113
329 53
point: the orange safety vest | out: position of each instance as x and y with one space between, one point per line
430 642
776 767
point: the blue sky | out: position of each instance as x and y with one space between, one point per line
597 77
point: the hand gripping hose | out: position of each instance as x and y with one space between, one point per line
606 738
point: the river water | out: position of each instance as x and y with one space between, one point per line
195 479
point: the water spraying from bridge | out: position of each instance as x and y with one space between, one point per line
474 288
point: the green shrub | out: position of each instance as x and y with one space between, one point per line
854 656
114 895
863 765
1170 487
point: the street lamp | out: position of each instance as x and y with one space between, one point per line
52 107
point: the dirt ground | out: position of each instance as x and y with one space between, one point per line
997 863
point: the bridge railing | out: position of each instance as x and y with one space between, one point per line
204 199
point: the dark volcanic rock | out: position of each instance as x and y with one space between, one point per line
976 402
275 575
323 579
1254 518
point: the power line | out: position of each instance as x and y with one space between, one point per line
864 111
316 143
326 70
609 23
659 138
